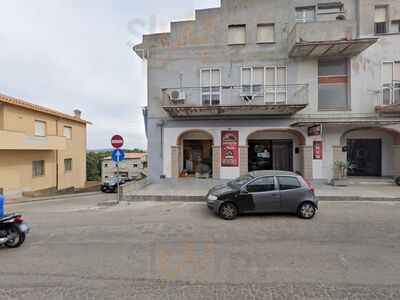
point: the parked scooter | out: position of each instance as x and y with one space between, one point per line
13 229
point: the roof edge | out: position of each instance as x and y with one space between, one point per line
28 105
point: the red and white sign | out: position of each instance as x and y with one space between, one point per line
318 150
315 130
117 141
230 148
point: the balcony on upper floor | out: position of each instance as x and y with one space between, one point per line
235 101
389 100
326 39
13 140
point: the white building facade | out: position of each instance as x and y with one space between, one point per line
287 85
134 165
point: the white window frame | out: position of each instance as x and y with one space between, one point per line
65 169
34 173
45 128
265 90
394 86
70 132
211 93
304 19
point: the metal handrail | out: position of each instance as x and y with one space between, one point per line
289 94
389 95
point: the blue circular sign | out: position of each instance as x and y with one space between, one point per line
118 155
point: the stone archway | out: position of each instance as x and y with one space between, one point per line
340 155
192 147
300 160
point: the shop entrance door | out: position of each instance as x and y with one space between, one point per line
197 152
366 155
270 155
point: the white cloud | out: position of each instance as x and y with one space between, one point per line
69 54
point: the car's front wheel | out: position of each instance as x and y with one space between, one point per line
228 211
306 210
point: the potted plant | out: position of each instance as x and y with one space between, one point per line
345 167
202 171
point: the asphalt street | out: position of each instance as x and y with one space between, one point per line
79 250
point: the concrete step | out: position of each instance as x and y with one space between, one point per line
385 182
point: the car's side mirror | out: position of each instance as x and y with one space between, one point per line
244 190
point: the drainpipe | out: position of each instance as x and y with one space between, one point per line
57 155
357 8
161 124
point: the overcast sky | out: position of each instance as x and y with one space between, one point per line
67 54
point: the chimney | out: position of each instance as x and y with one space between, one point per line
77 113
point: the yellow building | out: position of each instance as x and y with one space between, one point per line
42 151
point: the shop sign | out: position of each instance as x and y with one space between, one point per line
318 150
230 148
315 130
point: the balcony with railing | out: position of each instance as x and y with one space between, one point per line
235 101
389 99
326 39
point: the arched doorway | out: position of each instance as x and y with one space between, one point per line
196 153
275 149
372 150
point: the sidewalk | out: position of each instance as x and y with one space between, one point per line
195 193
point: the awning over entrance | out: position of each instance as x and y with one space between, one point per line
331 48
233 110
346 121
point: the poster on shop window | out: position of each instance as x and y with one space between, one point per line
230 149
318 153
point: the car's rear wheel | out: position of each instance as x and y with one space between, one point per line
306 210
228 211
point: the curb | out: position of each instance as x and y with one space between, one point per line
30 200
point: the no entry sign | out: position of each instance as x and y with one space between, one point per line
117 141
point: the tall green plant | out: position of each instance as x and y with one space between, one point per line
345 167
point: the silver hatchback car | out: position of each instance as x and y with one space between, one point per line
264 191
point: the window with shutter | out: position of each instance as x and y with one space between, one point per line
40 128
68 132
333 84
380 20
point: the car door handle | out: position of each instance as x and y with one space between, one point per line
275 195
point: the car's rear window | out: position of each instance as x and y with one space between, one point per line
288 183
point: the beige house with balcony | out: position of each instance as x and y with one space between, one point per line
133 166
42 151
291 85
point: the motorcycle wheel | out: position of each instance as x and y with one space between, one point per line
18 240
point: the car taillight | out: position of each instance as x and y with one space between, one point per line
311 186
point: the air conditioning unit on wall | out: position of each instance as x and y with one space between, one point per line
178 95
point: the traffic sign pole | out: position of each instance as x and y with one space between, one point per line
118 181
117 142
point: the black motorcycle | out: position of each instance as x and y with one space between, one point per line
13 230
